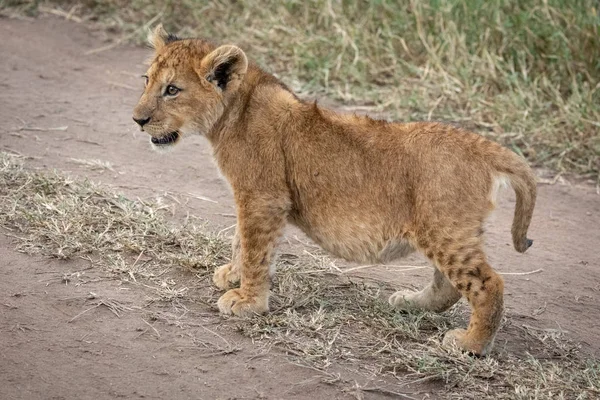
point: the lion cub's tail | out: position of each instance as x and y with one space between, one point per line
523 182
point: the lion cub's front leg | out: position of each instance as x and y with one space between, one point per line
259 225
228 275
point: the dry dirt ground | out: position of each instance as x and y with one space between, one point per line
54 341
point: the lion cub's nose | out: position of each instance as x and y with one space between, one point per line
141 121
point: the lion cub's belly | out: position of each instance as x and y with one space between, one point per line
359 241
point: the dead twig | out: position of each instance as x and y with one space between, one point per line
69 16
126 37
83 312
151 326
401 268
522 273
38 129
196 196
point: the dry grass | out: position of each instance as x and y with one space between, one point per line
55 216
321 317
525 73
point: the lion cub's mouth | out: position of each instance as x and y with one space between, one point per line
166 140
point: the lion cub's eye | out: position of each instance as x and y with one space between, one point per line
145 80
171 90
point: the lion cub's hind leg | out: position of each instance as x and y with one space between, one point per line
462 270
484 289
438 296
465 265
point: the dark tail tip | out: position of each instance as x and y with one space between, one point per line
522 245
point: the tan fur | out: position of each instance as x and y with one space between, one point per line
365 190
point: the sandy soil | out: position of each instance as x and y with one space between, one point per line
57 339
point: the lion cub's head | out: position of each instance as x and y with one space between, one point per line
188 86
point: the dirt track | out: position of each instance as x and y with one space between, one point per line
48 81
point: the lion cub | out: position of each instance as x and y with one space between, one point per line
367 191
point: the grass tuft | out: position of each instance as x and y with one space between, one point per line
59 217
322 318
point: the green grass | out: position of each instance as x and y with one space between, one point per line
525 73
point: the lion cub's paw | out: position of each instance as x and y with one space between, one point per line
226 276
458 339
236 302
404 300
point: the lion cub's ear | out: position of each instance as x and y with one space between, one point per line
159 37
225 67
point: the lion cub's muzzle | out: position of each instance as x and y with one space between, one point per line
158 140
141 121
165 140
